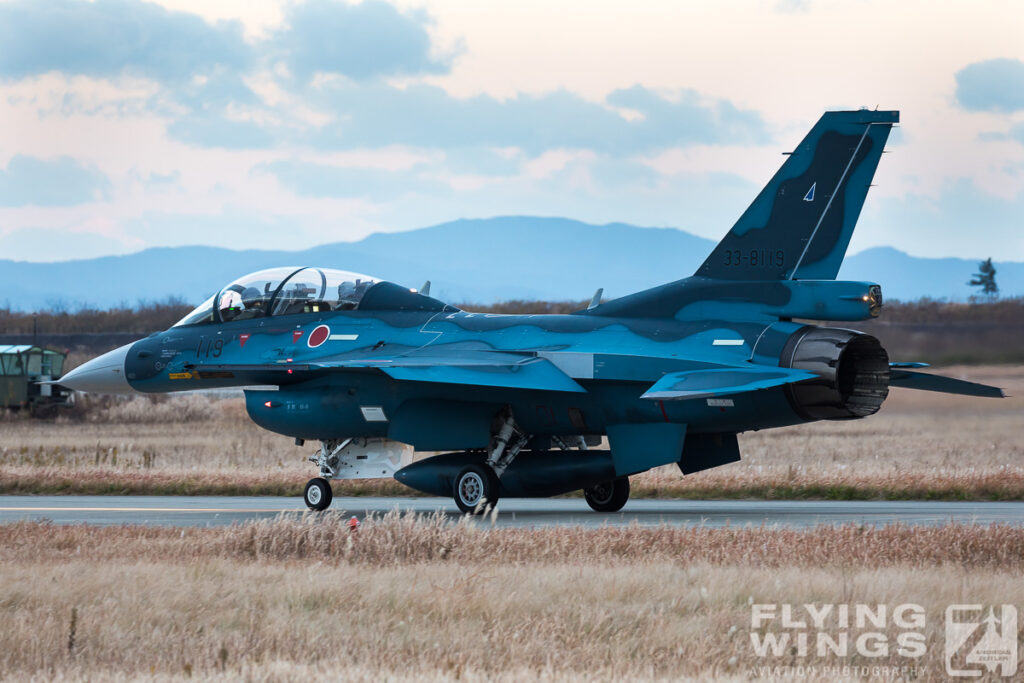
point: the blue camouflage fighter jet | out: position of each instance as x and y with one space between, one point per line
519 405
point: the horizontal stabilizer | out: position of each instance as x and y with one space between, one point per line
908 379
722 382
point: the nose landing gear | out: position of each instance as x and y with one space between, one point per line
353 458
318 494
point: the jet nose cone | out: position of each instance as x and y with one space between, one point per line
102 375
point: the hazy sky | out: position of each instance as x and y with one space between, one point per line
288 124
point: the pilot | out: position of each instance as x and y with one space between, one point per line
230 305
347 295
251 297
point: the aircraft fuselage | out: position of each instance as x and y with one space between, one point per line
614 359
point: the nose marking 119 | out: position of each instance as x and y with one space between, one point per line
209 347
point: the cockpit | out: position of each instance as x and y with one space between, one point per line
283 291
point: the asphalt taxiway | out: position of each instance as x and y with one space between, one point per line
525 512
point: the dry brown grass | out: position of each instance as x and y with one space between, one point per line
401 539
921 445
408 598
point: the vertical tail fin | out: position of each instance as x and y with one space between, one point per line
800 224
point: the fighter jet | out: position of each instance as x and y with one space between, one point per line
522 405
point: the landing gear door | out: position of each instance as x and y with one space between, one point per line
371 459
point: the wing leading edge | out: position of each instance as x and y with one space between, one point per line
537 374
467 367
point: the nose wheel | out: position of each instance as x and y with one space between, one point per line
318 494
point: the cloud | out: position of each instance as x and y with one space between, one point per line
156 180
216 91
687 120
56 182
993 85
213 116
484 161
233 227
361 41
374 115
623 175
51 244
216 130
1015 133
108 37
206 69
426 116
963 220
325 180
791 6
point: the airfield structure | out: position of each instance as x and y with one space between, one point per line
22 369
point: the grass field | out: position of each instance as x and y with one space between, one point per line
921 445
425 598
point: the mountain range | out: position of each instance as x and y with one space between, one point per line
468 261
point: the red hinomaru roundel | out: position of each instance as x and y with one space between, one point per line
318 336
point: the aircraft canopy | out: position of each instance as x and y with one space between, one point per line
283 291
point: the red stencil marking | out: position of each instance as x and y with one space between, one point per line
242 338
296 335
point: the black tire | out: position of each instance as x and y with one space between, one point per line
473 485
318 494
608 496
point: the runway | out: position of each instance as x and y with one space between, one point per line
527 512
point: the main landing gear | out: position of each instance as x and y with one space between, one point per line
608 496
474 487
477 486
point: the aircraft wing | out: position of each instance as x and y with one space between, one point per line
456 366
722 382
899 376
538 374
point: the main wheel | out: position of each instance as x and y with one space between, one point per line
475 484
608 496
318 494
